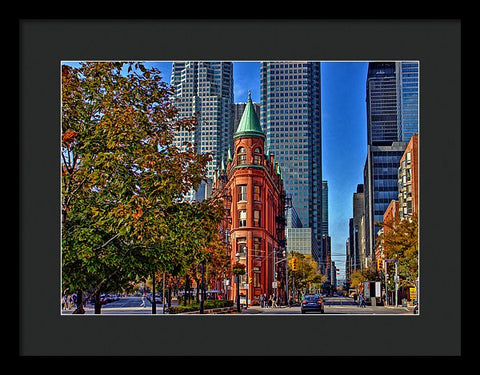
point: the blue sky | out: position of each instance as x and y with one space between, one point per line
344 135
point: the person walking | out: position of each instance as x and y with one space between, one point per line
144 300
262 301
362 300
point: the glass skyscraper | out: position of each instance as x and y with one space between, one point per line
205 88
382 124
408 104
392 117
291 119
325 208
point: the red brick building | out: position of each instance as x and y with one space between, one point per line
252 188
408 179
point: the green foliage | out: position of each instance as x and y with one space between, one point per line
123 179
400 242
209 304
308 274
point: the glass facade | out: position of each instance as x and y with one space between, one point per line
382 124
392 119
325 208
205 88
291 119
408 88
301 240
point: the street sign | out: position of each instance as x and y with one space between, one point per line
413 293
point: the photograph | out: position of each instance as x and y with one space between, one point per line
243 187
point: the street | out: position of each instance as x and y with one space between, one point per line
333 306
131 305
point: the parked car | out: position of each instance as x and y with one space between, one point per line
158 298
312 302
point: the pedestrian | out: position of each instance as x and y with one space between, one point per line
362 300
144 300
262 301
274 301
355 298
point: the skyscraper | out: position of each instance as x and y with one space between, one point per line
205 88
382 127
392 117
325 208
407 98
291 119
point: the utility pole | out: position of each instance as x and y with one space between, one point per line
396 283
163 294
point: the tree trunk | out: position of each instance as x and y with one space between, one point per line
154 302
185 295
98 303
203 294
79 309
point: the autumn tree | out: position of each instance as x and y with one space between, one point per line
121 173
399 241
307 276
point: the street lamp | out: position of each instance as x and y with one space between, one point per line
246 269
237 273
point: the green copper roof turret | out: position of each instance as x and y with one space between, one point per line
249 125
222 165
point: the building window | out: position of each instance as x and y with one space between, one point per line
242 193
256 278
241 245
257 247
256 193
242 218
242 156
257 156
256 218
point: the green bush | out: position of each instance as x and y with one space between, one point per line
209 304
178 309
215 304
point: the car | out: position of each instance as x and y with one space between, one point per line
312 302
158 298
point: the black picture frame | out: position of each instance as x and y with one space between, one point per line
43 44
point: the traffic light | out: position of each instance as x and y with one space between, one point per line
379 264
294 264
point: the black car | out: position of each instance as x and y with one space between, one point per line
312 302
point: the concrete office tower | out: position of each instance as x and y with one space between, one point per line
356 251
291 119
205 88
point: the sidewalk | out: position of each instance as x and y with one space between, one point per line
264 310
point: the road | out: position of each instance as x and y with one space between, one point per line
333 306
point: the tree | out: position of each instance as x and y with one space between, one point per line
307 276
399 241
358 277
121 173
